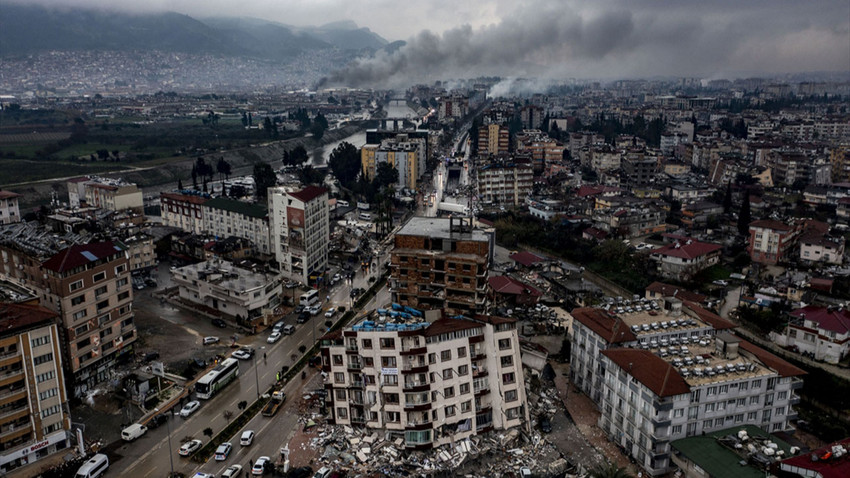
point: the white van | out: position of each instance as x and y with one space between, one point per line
133 431
94 468
365 216
341 203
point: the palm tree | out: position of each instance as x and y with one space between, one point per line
610 471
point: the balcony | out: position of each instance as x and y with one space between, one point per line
481 391
412 349
351 349
419 425
414 368
478 372
354 365
17 412
11 394
358 420
415 386
417 406
794 400
356 384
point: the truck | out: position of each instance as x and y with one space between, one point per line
278 397
451 207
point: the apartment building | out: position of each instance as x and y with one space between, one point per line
531 116
183 210
427 383
9 210
300 232
104 193
452 107
820 247
493 139
229 289
674 372
34 419
683 259
544 150
441 263
224 217
823 332
406 154
140 251
503 182
771 241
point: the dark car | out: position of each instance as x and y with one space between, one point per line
150 282
158 420
219 323
299 308
303 317
151 356
545 425
302 472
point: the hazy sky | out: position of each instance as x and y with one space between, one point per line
599 38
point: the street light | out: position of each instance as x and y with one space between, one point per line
170 450
257 375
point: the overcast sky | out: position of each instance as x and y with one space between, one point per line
548 38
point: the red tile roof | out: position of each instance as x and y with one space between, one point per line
833 320
442 326
526 258
309 193
783 368
689 249
610 328
668 290
649 369
15 317
591 190
771 224
509 285
184 198
8 194
826 466
79 255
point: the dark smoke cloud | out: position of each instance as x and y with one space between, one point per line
549 40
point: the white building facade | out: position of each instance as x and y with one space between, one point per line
300 232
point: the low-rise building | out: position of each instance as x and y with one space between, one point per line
819 247
682 260
105 193
183 211
9 210
140 252
823 332
35 422
772 241
231 290
427 383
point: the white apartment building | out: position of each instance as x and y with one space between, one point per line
818 247
231 290
429 384
104 193
661 375
224 217
9 211
505 183
823 332
300 232
183 211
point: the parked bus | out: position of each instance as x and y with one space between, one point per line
217 378
310 299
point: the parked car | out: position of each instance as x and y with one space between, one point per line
324 472
223 451
190 408
288 329
219 323
158 420
190 447
210 340
330 312
247 438
245 353
721 283
299 308
274 337
291 285
315 310
277 326
150 282
133 431
232 471
259 467
303 317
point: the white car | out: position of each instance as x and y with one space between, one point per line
232 471
210 340
260 465
223 451
315 309
719 282
190 408
247 438
190 447
243 354
330 312
274 337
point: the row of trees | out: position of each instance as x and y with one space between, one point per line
206 171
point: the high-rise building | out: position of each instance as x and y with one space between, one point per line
493 139
183 211
504 182
406 154
34 419
429 384
300 232
441 263
9 210
224 218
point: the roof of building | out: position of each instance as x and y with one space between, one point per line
15 317
596 233
309 193
667 290
439 228
193 199
80 255
8 194
593 190
526 258
689 249
771 224
650 370
509 285
783 368
239 207
828 464
719 461
709 317
611 329
446 325
832 319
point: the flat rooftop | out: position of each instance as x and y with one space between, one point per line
439 228
14 293
225 275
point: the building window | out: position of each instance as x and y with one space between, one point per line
677 429
391 380
463 370
43 377
387 343
78 299
337 360
43 359
48 393
391 398
340 394
754 400
99 276
507 360
76 285
432 358
367 343
464 388
450 411
50 411
342 413
100 291
448 392
339 377
103 304
508 378
511 395
41 340
388 362
126 295
461 352
466 406
504 344
79 315
120 269
679 413
445 355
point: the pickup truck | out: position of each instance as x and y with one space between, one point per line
278 397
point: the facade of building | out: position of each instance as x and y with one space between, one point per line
34 419
429 384
507 183
453 107
772 241
183 211
406 154
823 332
818 247
224 217
531 116
639 172
493 139
682 260
441 263
231 290
300 232
104 193
674 372
140 252
89 286
9 210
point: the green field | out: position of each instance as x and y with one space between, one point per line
21 170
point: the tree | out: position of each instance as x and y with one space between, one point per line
244 119
298 155
744 216
237 191
727 199
179 184
320 125
609 471
242 405
205 184
345 163
194 176
269 127
223 169
386 175
309 175
264 178
208 432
